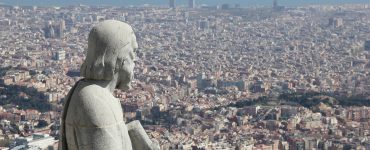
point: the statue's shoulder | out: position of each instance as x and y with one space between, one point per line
93 105
86 90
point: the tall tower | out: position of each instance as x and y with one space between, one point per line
61 30
275 4
63 24
172 3
367 45
52 32
191 3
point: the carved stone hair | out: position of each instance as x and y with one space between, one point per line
108 47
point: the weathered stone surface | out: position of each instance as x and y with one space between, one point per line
92 118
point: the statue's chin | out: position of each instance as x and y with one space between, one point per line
124 87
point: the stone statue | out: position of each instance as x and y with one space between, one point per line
92 118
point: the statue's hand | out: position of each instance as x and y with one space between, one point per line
139 139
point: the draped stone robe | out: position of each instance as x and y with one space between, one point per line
93 120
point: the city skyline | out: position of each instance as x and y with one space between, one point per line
163 3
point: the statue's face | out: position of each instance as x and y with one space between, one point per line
126 74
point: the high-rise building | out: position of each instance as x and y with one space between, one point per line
60 55
54 31
48 30
180 36
172 3
51 32
139 114
203 24
225 6
191 3
155 112
62 26
275 4
367 45
336 22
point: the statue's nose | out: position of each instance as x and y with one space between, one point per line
133 56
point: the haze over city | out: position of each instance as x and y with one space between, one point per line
244 3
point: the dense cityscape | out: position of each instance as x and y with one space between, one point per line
210 77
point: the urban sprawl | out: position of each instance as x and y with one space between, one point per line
206 77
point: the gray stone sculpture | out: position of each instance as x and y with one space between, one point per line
92 118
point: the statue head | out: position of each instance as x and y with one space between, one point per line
110 53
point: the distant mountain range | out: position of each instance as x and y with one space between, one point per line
243 3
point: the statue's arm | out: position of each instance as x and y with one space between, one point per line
139 139
103 138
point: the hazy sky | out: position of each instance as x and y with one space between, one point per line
179 2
